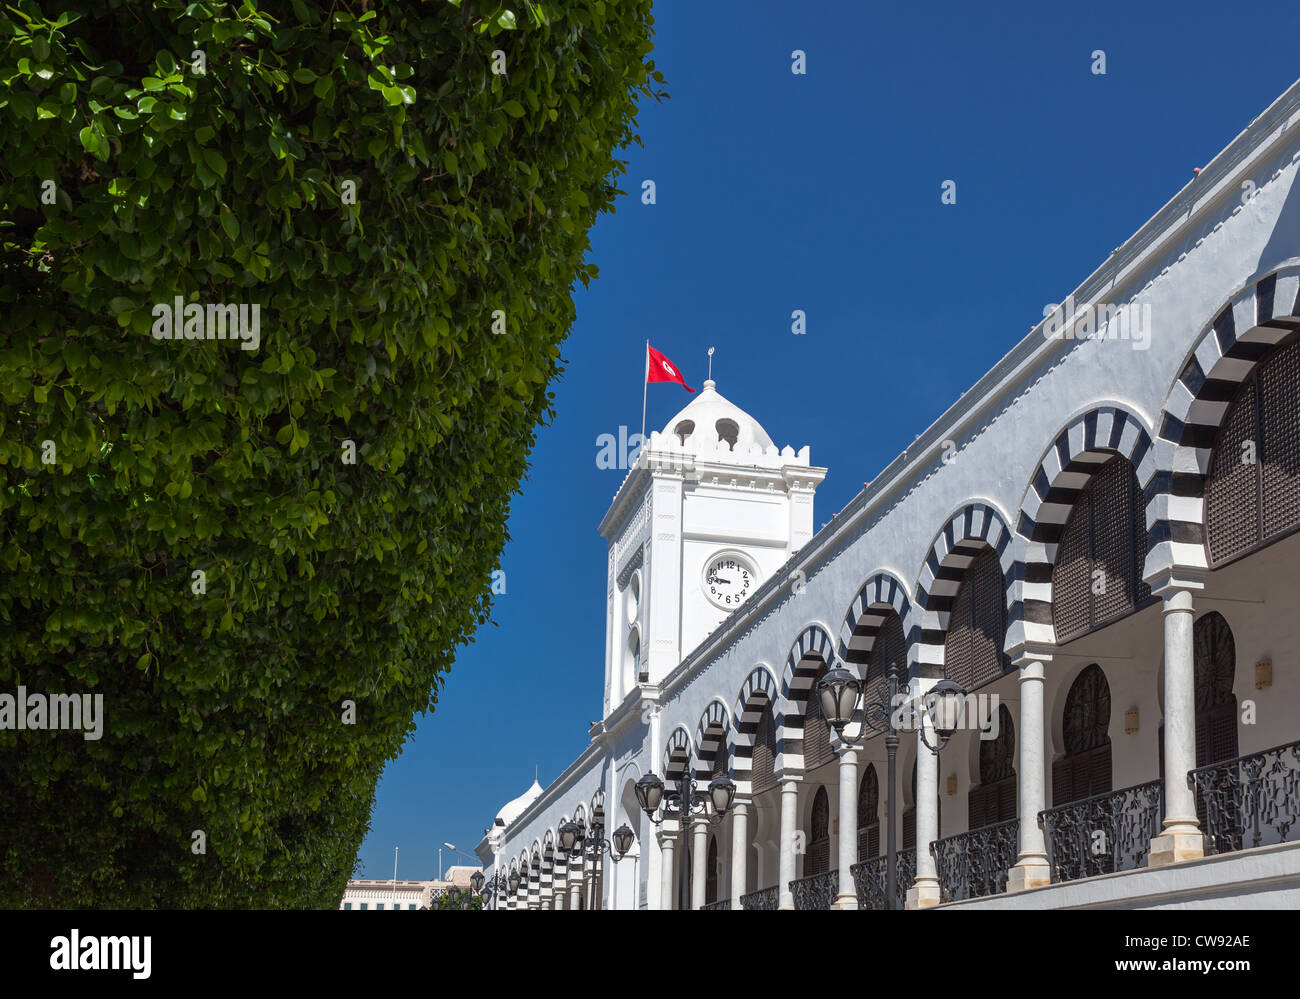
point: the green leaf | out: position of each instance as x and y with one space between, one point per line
229 223
513 108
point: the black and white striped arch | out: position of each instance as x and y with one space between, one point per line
759 691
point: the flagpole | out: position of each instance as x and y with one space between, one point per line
644 383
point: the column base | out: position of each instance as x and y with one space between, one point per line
923 895
845 902
1173 846
1031 872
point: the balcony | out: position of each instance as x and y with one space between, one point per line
1251 801
869 878
1103 834
974 864
721 904
764 900
817 891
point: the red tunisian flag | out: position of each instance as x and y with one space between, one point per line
660 369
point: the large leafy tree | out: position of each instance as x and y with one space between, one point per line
404 190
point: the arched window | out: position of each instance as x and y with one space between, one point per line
728 430
1252 492
818 859
994 798
972 650
1097 577
634 657
869 815
763 774
711 879
684 430
909 816
1085 768
816 733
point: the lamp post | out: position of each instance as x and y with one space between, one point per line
575 842
653 797
838 692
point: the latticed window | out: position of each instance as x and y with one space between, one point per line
1252 493
977 625
816 732
994 799
818 859
1085 769
1097 577
890 649
869 815
764 764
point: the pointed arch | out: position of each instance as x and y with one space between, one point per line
972 529
1261 316
812 651
879 594
677 753
757 694
712 736
1080 450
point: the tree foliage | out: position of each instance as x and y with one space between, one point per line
128 463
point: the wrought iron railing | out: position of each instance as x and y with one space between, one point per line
870 877
1104 833
722 903
817 891
765 899
1251 801
975 863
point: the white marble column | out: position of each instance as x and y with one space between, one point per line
1181 837
789 825
1031 869
575 886
924 892
739 851
654 850
667 841
848 842
699 861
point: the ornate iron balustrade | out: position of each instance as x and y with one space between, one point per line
1251 801
870 877
1104 833
765 899
817 891
720 904
974 864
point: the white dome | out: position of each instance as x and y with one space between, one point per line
710 417
513 809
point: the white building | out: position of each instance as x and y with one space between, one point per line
1101 533
377 895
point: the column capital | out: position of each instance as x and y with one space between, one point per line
1177 579
784 777
1032 652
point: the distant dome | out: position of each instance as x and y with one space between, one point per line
513 809
711 417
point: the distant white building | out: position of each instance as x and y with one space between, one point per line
1102 534
378 895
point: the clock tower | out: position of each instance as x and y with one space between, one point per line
710 509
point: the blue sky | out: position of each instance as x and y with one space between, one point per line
820 192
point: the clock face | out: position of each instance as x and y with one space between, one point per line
729 578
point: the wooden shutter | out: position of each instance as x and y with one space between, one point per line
868 815
1279 417
957 658
1232 487
819 840
1072 573
817 750
763 774
988 619
909 828
1063 782
1102 549
711 879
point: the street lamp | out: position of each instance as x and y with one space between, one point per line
685 800
839 690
